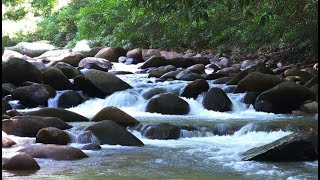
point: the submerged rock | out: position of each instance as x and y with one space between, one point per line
21 162
167 103
294 147
162 131
56 152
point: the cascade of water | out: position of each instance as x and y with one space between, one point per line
82 137
237 105
245 129
53 102
127 98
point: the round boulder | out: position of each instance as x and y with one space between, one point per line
111 133
108 54
135 53
69 99
162 131
106 82
52 135
17 71
167 103
116 115
193 89
21 162
217 100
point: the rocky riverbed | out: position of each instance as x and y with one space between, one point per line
147 113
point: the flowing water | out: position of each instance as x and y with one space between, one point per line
205 152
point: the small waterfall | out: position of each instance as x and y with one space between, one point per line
53 102
82 137
245 129
222 129
125 98
237 105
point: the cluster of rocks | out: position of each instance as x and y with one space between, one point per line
32 73
48 126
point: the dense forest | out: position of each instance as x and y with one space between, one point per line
233 26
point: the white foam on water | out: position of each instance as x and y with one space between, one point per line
53 102
124 67
224 149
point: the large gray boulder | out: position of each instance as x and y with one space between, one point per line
17 71
111 133
34 95
29 126
258 82
284 98
217 100
106 82
294 147
33 49
167 103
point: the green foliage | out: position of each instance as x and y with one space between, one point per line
43 7
15 15
239 25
